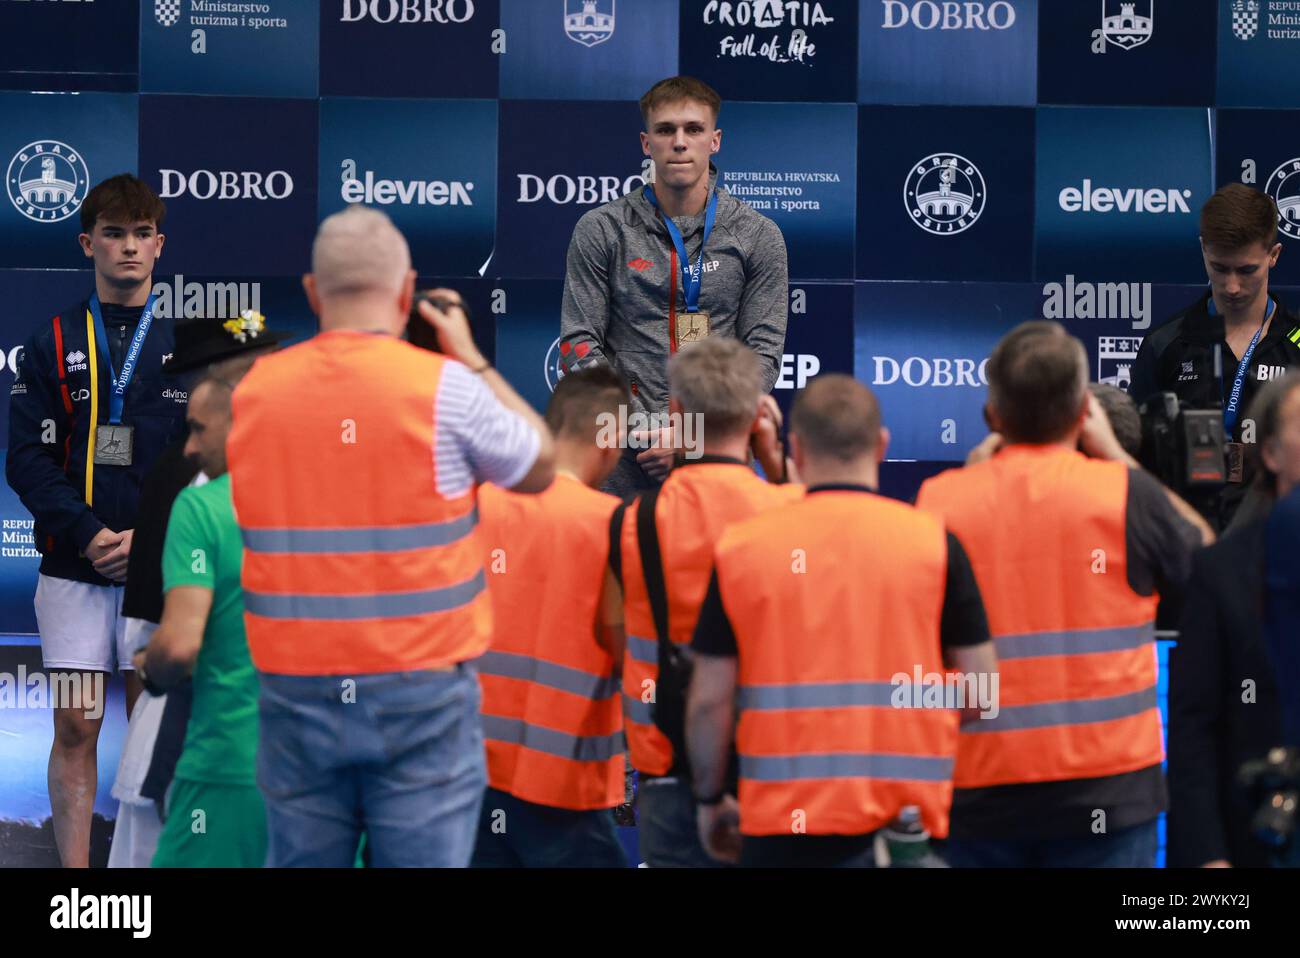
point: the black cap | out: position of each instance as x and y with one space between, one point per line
201 342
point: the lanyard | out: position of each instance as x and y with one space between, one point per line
119 381
691 276
1232 409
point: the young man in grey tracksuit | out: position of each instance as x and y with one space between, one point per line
631 301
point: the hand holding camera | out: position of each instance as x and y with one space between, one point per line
1098 437
765 439
444 313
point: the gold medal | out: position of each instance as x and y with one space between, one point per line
692 328
113 445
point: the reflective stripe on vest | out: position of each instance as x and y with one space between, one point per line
559 677
819 729
815 695
787 768
1068 712
637 711
643 650
385 539
578 748
1081 642
377 605
1075 643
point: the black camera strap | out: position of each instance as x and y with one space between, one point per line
669 710
616 542
652 564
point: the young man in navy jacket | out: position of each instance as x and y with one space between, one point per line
89 412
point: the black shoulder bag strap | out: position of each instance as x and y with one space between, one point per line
616 542
669 707
652 563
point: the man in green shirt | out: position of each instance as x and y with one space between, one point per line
214 815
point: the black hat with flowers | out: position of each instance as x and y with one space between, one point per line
201 342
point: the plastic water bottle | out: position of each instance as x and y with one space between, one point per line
907 842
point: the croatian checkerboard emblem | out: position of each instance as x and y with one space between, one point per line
167 12
1245 19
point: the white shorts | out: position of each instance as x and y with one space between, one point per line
81 626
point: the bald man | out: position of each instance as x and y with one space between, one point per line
354 461
802 672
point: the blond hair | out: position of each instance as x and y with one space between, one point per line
719 379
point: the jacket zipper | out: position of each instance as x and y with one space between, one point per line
672 300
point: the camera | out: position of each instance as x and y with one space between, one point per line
1274 783
1181 446
418 331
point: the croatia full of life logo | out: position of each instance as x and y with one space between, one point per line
768 29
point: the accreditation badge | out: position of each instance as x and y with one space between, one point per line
113 445
692 328
1235 461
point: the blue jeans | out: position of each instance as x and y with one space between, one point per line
513 833
399 756
668 836
1127 848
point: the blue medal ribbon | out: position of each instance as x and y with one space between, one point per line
1231 409
692 277
119 381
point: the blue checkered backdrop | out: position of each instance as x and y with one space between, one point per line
941 171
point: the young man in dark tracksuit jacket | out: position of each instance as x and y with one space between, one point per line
626 299
1239 246
89 412
1224 652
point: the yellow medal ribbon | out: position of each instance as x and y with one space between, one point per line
94 409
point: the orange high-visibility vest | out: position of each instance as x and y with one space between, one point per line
835 602
552 718
354 563
697 502
1045 531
